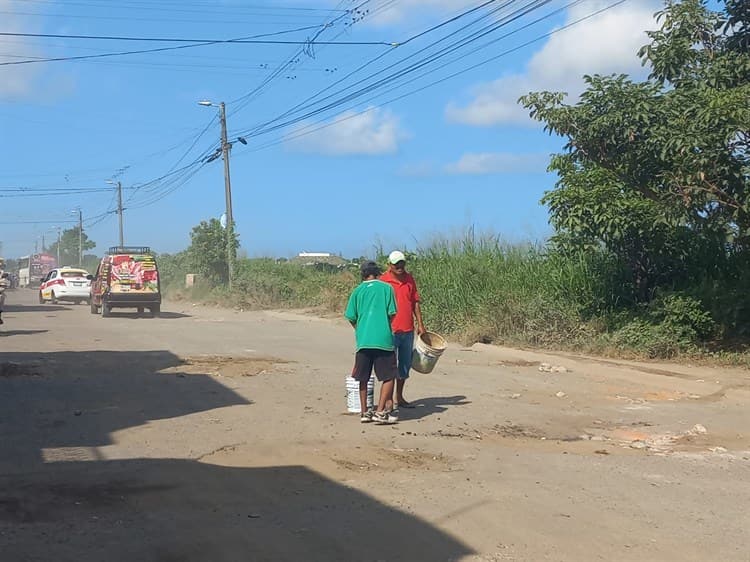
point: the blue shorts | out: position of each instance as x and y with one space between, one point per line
404 344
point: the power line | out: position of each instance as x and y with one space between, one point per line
246 98
175 7
378 57
163 186
442 52
235 21
311 130
307 103
253 39
185 40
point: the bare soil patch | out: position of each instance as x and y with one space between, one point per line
227 366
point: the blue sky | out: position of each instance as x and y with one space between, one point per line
457 154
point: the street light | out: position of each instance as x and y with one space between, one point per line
225 148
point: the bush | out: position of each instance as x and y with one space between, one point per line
669 325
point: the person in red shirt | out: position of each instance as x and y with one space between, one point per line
402 325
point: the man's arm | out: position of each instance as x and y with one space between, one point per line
418 313
351 312
418 310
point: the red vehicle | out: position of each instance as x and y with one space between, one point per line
127 277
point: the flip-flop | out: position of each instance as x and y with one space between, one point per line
405 404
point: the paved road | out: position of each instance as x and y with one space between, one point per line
220 435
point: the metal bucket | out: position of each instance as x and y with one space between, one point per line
427 350
352 394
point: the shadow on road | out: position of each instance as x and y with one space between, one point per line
429 406
15 308
178 510
166 510
119 313
20 332
77 399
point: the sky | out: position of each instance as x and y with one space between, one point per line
368 123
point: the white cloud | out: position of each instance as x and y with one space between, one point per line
376 131
483 163
604 44
16 81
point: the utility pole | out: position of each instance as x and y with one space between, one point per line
225 148
58 246
119 211
43 247
80 238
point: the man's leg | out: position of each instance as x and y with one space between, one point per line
386 370
363 363
363 396
405 348
386 396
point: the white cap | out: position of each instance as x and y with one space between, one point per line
396 257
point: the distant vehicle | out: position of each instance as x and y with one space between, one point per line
127 277
35 268
65 284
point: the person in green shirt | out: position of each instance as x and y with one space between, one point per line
370 309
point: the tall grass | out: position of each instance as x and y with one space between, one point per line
482 289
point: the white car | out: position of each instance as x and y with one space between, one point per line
65 284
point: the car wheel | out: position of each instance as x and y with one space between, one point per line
41 298
94 308
106 310
53 298
155 311
141 310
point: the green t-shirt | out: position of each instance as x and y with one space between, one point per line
370 307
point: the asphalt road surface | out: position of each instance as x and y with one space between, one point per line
220 435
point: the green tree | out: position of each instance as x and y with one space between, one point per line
657 171
69 246
208 251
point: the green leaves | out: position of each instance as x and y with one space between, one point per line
657 172
69 246
207 253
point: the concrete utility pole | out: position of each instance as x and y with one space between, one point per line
58 245
225 148
80 238
119 211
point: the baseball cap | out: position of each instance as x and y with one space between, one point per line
396 257
369 268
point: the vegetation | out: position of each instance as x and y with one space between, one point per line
651 211
69 246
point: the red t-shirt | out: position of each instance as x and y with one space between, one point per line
407 297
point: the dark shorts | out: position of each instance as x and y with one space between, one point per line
383 361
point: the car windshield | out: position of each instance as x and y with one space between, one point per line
73 274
